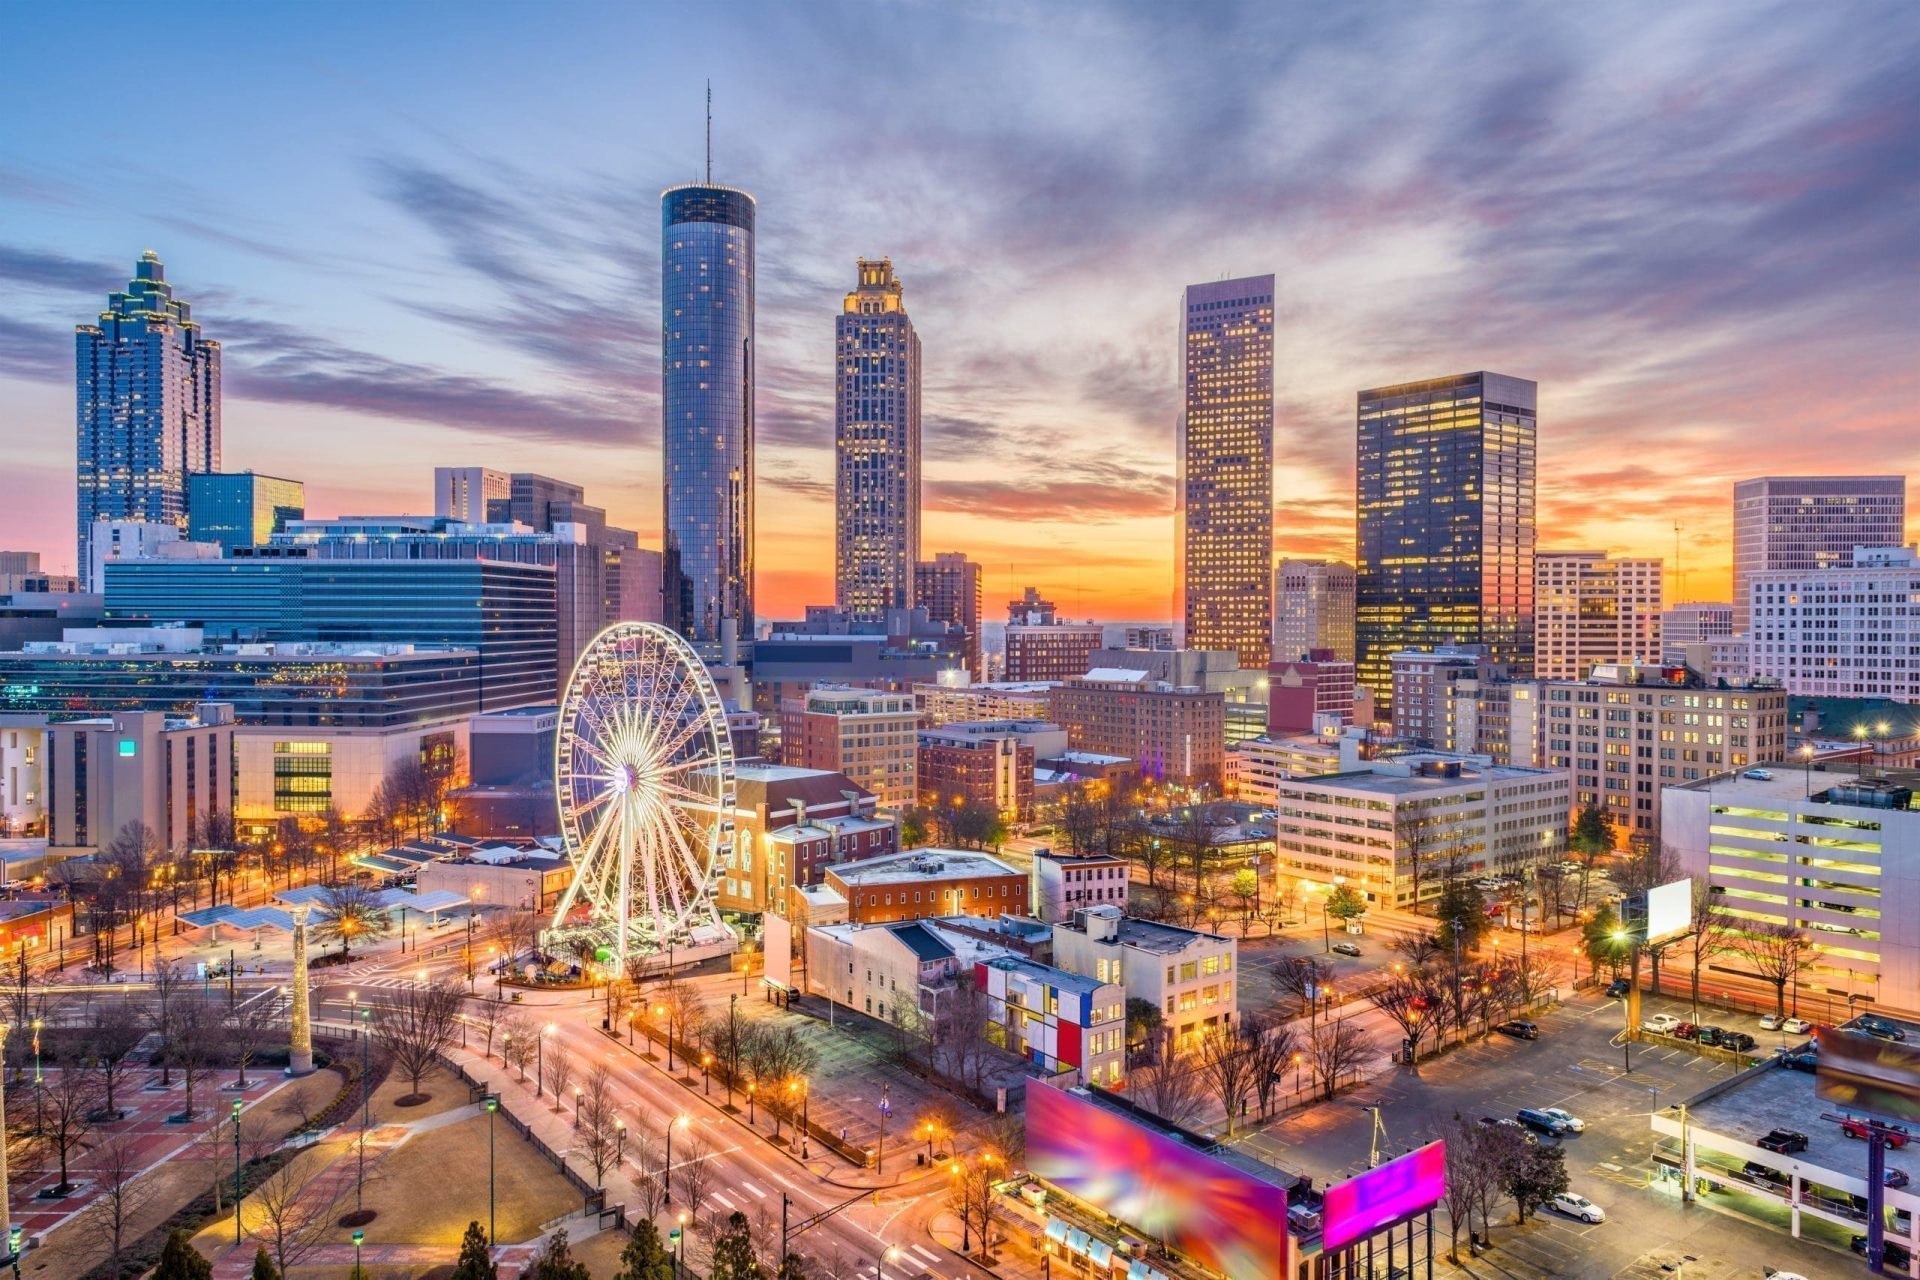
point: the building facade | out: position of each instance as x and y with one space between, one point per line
1188 975
876 446
147 408
870 735
1591 608
706 405
1313 608
1446 522
241 509
928 882
1852 632
1176 733
1802 523
1627 733
1224 493
948 588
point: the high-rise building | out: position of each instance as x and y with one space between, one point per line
706 399
1446 533
1312 609
948 588
1847 633
876 446
1693 623
462 493
1588 608
1224 498
147 407
1801 523
241 509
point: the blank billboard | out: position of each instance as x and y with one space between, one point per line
1860 1073
1381 1197
1669 910
1226 1220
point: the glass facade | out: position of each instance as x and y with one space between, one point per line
1225 516
504 612
706 377
1446 522
146 408
876 447
241 509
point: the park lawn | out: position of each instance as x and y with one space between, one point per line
432 1186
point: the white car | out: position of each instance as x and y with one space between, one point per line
1577 1206
1661 1023
1571 1122
1796 1026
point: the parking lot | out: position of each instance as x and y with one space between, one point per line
1577 1064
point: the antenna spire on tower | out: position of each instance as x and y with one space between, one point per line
709 133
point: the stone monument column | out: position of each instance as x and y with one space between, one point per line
300 1046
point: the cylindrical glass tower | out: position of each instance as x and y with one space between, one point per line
706 384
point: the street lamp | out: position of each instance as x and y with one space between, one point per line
493 1105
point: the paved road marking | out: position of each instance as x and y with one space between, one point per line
756 1191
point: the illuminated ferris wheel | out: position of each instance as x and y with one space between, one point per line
645 775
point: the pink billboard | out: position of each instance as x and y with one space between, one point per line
1204 1208
1380 1197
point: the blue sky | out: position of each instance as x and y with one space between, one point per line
429 234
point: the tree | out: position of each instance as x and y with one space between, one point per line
476 1260
1170 1084
1144 1021
1270 1046
1777 952
733 1256
556 1261
120 1196
416 1027
1536 1175
116 1032
263 1268
178 1261
349 912
1337 1049
1227 1064
645 1256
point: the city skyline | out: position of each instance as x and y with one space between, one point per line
1693 282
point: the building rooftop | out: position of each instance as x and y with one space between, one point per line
921 864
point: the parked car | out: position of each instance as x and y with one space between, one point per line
1573 1122
1897 1135
1738 1041
1661 1024
1519 1029
1578 1206
1770 1021
1796 1026
1540 1122
1784 1141
1878 1027
1346 948
1758 1172
1618 987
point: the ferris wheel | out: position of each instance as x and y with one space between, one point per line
645 774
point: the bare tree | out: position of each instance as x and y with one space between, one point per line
1171 1086
1226 1060
599 1136
1337 1049
119 1196
283 1223
1777 952
416 1027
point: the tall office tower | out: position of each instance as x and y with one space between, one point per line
706 397
147 407
948 588
462 493
241 509
1446 540
1589 609
1696 622
1809 522
876 447
1224 520
1312 609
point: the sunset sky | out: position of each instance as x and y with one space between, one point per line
429 234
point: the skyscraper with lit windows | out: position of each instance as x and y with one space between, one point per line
876 447
1445 533
1224 517
147 408
706 398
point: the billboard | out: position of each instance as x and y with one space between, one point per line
1861 1073
1669 910
1381 1197
1224 1219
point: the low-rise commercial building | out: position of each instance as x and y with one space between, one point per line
928 882
1187 974
1064 883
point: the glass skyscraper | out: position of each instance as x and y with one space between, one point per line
146 408
241 509
1446 522
876 447
706 396
1225 493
